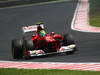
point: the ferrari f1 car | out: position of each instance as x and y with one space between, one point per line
40 43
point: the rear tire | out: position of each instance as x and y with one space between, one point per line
17 48
29 44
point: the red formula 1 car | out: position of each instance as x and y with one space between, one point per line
40 43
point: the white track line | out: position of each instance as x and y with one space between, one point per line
74 17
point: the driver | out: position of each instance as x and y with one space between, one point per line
40 30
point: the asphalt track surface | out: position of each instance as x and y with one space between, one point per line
58 18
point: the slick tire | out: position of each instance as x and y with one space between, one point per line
29 44
68 40
17 48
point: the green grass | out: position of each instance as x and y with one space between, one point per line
95 13
45 72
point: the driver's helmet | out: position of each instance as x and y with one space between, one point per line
39 27
40 30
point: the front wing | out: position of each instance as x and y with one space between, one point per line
63 49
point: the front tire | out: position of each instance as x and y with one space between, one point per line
68 40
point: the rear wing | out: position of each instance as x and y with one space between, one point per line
31 28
